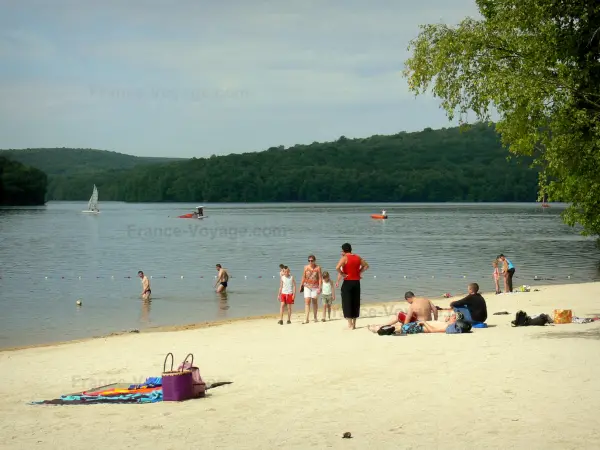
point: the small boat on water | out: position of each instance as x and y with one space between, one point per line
198 214
545 203
381 216
93 203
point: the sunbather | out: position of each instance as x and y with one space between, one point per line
420 309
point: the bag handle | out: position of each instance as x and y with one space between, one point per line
186 358
165 363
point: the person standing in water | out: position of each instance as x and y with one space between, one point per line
350 267
312 280
222 279
509 272
496 276
145 286
287 294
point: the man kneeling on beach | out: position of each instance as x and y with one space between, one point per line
421 309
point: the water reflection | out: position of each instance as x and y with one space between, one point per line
145 316
223 305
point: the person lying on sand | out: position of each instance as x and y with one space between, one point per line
451 326
420 309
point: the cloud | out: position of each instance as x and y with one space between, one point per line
315 68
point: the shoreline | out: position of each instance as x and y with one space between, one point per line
501 381
211 324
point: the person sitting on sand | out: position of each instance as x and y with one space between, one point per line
420 309
473 306
451 326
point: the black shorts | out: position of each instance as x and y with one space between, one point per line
224 284
351 299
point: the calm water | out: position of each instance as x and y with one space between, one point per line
430 249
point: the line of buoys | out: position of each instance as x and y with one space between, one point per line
411 277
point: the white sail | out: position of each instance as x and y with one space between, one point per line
93 203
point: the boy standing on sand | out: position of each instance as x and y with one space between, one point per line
327 295
287 294
145 286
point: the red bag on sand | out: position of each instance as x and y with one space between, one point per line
199 386
402 317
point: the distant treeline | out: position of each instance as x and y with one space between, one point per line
430 166
21 185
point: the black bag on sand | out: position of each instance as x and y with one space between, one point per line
523 320
386 330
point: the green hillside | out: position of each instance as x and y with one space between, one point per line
21 185
69 161
437 166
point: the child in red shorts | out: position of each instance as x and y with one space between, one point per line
287 294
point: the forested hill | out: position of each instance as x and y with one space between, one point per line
69 161
441 165
21 185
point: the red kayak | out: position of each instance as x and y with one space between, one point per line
378 216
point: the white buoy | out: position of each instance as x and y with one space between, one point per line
78 302
432 276
182 277
245 276
80 278
46 278
404 276
374 276
273 276
569 277
112 276
150 276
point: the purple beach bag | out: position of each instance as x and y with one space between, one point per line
177 384
199 386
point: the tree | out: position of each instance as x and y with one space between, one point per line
537 63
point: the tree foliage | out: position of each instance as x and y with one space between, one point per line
21 185
429 166
69 161
537 63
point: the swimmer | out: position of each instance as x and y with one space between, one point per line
222 279
146 292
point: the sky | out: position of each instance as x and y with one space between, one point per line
192 78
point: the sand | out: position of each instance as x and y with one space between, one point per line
303 386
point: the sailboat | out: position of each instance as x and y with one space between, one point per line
93 203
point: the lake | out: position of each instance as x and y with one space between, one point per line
51 256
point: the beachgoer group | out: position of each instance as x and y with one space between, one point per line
507 272
422 316
317 282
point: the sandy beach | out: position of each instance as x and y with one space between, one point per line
303 386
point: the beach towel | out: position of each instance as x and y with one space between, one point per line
112 396
152 397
